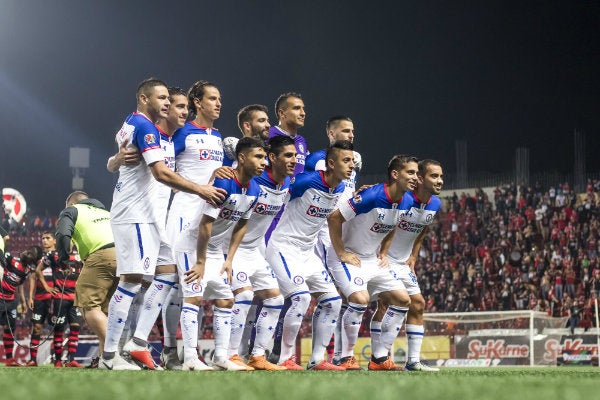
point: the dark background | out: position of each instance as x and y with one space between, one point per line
414 76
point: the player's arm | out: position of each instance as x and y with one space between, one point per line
239 230
164 175
32 279
335 221
125 156
223 172
414 254
40 275
21 293
204 232
384 247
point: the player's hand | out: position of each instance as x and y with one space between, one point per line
223 172
363 187
30 304
195 273
350 258
411 261
227 268
212 195
383 261
128 156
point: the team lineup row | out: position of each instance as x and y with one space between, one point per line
275 227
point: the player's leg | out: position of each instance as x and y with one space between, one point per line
40 313
171 313
59 318
8 319
74 318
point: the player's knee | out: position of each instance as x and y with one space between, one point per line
417 305
359 298
224 303
244 297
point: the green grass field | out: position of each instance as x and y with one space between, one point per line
451 383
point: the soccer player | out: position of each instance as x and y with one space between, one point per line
207 272
356 229
290 252
338 127
253 121
15 272
135 225
289 108
402 249
40 301
251 274
86 222
64 276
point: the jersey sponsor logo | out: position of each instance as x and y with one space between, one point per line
298 280
225 213
318 212
411 227
381 228
241 276
260 208
204 154
210 154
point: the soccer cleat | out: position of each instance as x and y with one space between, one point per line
291 364
239 361
118 363
11 362
140 355
170 359
387 365
31 363
419 366
261 363
324 366
73 364
350 364
94 363
228 365
195 365
58 364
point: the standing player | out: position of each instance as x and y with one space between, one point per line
402 249
15 272
251 274
339 127
290 252
253 121
135 225
356 229
40 301
209 277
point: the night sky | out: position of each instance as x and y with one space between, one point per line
414 76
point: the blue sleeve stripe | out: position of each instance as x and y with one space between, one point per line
139 238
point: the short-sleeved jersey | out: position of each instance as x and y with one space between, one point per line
311 202
271 198
299 142
134 192
65 276
40 293
417 216
199 151
316 162
237 205
15 274
370 215
163 192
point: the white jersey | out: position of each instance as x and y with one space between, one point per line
316 162
417 217
134 194
163 192
311 202
370 215
237 205
270 200
198 152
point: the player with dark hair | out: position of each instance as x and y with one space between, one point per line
290 252
253 121
356 229
289 108
15 273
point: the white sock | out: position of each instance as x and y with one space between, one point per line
390 327
171 312
323 324
201 321
414 334
239 312
222 330
337 334
153 301
133 315
189 331
118 309
291 323
265 324
376 346
247 334
351 321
